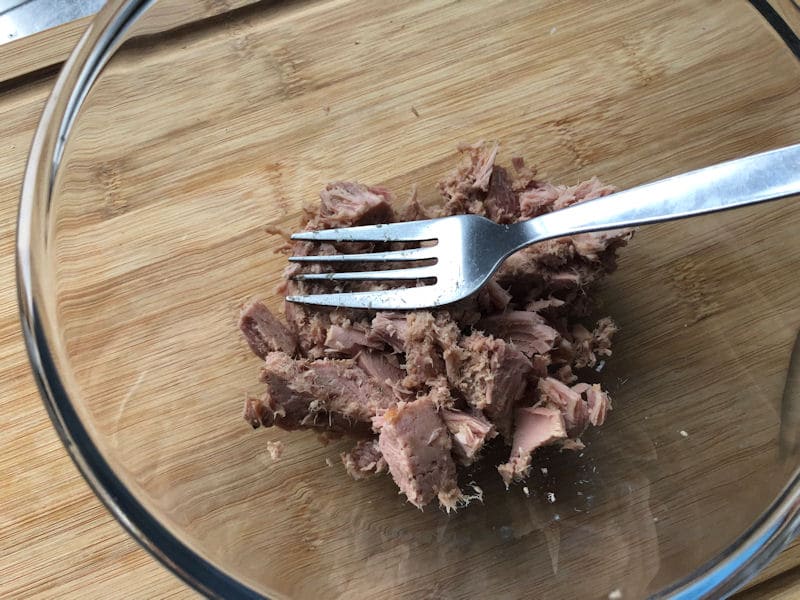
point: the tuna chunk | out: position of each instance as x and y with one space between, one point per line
527 331
546 197
493 378
534 427
320 394
310 326
383 369
470 431
544 304
429 344
424 359
256 412
602 335
568 401
493 298
390 329
599 404
431 348
349 338
416 446
439 394
580 404
537 200
465 188
582 348
539 365
593 246
524 176
412 210
364 459
501 201
344 204
263 332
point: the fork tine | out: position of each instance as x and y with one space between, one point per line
416 231
394 299
395 255
389 274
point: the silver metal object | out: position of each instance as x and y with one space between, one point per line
470 248
20 18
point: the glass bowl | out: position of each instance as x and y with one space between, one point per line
177 132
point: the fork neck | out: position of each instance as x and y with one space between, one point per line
525 233
578 218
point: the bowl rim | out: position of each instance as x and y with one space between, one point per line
720 576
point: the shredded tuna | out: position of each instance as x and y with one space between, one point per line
431 348
413 210
348 339
440 395
427 390
493 378
527 331
492 298
464 190
383 369
566 374
501 201
344 204
310 327
470 431
424 358
275 449
390 329
539 365
364 460
573 408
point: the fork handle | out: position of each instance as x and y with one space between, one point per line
758 178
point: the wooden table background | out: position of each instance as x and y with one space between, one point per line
56 538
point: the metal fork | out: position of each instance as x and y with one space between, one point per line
470 248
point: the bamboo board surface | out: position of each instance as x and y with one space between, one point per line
55 537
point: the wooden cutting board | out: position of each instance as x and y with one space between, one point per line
56 539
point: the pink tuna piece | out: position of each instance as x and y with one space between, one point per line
534 427
416 446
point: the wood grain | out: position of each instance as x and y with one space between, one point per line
41 51
160 236
789 11
49 49
56 539
782 587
